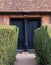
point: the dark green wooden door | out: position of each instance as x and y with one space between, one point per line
26 31
20 24
32 24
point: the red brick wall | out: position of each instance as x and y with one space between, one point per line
5 19
45 20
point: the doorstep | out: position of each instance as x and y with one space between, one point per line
31 51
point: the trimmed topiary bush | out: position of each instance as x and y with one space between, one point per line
8 44
43 45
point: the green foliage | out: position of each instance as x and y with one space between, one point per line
43 45
8 44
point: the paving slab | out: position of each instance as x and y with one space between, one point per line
25 59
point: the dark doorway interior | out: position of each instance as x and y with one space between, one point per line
26 31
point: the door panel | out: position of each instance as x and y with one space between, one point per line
21 37
32 24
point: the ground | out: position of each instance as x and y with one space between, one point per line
25 59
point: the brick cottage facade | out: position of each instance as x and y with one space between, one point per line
35 6
25 9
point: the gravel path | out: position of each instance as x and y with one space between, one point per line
25 59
